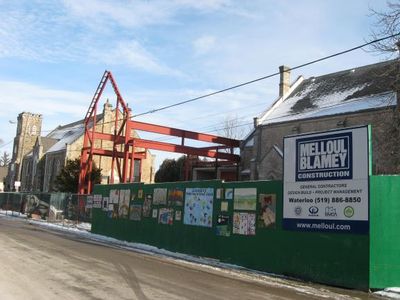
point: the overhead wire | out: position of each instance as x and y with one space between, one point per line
265 77
252 81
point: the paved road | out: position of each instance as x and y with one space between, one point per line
37 263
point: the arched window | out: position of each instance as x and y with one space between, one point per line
33 130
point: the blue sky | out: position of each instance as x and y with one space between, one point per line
53 53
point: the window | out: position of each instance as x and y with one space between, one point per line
33 130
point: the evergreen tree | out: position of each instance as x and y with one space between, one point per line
5 159
68 179
171 170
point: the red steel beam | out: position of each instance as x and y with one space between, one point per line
109 153
141 143
184 133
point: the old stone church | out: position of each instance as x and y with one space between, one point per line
37 160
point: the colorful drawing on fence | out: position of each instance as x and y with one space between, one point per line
124 197
106 201
97 201
110 210
178 215
135 212
224 206
175 197
219 193
244 223
267 211
223 226
147 205
245 199
159 196
114 196
199 207
166 216
115 211
155 213
228 194
89 202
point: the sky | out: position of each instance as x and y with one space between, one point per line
53 54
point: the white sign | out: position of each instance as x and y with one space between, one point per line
326 181
17 184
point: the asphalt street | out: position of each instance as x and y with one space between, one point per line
39 263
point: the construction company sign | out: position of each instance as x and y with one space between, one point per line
326 181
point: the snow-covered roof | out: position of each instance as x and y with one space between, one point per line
363 88
67 134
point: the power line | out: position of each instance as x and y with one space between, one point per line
3 145
266 77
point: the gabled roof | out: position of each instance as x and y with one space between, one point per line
353 90
67 134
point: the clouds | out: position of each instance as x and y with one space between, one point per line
132 54
95 32
137 13
56 105
204 44
166 51
24 96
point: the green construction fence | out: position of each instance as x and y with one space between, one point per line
339 259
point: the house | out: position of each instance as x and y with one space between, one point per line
37 160
353 97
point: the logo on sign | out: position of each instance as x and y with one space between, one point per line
326 157
297 210
313 210
348 211
330 211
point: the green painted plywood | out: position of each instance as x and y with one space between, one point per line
385 240
336 259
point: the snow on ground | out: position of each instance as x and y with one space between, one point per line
83 230
393 293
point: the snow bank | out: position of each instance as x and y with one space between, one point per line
392 292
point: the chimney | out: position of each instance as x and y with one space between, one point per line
284 82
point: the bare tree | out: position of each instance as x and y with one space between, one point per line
5 159
232 128
387 23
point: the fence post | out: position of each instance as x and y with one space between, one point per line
8 196
12 205
20 204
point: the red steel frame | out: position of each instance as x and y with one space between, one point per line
127 149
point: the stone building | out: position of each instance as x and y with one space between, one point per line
28 130
38 160
361 96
